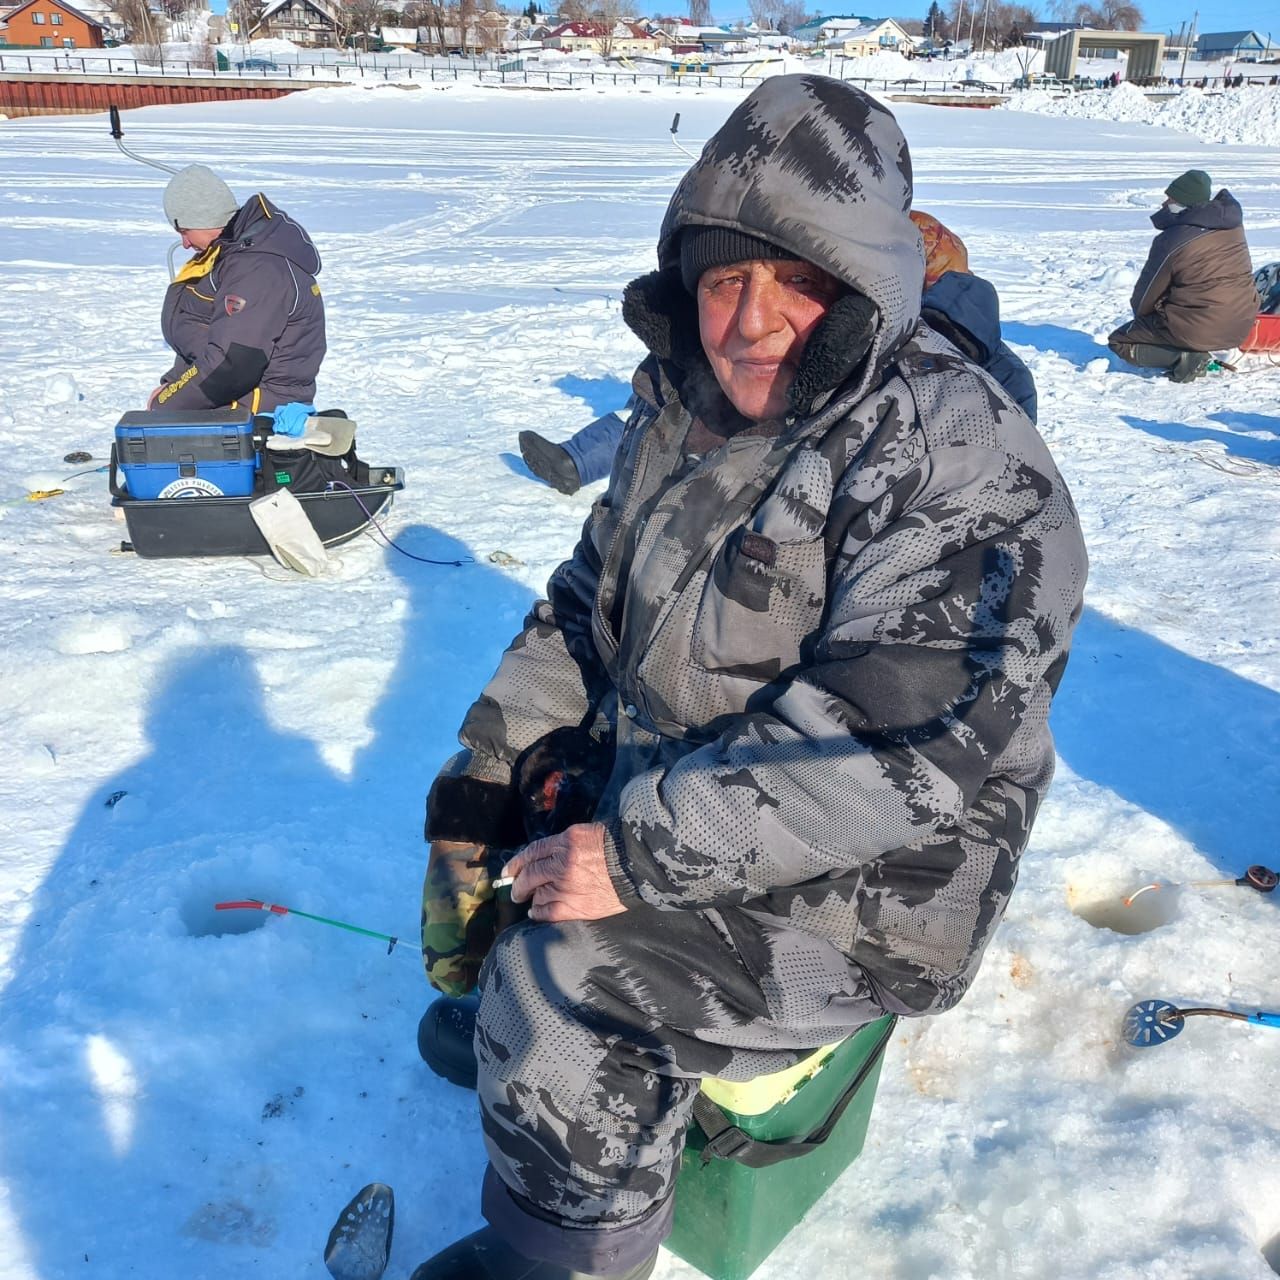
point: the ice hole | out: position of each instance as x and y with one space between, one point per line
203 920
1105 909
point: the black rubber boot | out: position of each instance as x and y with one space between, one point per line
1189 366
484 1255
445 1037
549 462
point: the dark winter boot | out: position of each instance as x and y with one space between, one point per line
549 462
484 1255
360 1242
445 1037
1189 366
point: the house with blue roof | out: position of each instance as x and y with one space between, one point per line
1244 46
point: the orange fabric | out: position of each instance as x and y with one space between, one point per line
943 250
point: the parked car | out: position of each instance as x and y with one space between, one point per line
1046 82
256 64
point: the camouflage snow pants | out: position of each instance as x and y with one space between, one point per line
591 1041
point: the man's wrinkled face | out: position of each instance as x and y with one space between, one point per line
755 319
200 238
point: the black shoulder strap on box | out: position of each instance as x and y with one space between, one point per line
726 1141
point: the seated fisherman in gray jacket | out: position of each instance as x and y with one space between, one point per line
792 686
244 316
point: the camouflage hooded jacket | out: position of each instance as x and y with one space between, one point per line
826 648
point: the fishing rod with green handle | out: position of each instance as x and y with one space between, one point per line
254 904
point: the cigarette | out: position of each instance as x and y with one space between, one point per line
504 882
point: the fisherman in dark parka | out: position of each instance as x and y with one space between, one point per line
244 316
1196 293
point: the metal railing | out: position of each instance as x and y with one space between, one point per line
492 71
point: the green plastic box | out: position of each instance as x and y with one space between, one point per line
730 1218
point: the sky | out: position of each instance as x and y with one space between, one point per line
182 1087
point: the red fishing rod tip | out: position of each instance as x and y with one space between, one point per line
249 904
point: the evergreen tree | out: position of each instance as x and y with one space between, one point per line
935 23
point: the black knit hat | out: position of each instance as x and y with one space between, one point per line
704 247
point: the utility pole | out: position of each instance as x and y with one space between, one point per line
959 23
1182 75
985 9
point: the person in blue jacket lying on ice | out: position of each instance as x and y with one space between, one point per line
961 306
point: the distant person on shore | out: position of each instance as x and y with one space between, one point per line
1196 292
961 306
244 316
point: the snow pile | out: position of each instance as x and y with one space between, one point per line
1249 115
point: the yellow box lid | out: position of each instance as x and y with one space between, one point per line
755 1097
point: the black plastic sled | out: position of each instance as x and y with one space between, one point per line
210 522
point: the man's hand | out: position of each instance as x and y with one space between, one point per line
565 875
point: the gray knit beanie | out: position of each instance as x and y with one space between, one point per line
1190 188
196 199
702 248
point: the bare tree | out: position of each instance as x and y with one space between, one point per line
699 13
1015 20
363 19
765 13
607 15
1110 15
143 29
468 13
433 15
791 15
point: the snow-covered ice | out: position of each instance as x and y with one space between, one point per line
193 1093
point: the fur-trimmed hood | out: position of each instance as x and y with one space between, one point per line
817 167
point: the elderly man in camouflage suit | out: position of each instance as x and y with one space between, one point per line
812 631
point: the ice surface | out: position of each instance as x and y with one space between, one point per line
181 1097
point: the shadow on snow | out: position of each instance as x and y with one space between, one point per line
196 1092
1073 345
1185 740
1236 444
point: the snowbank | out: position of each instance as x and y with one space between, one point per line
1249 115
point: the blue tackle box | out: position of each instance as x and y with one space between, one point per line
180 453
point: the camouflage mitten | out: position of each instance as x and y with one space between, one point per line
473 822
